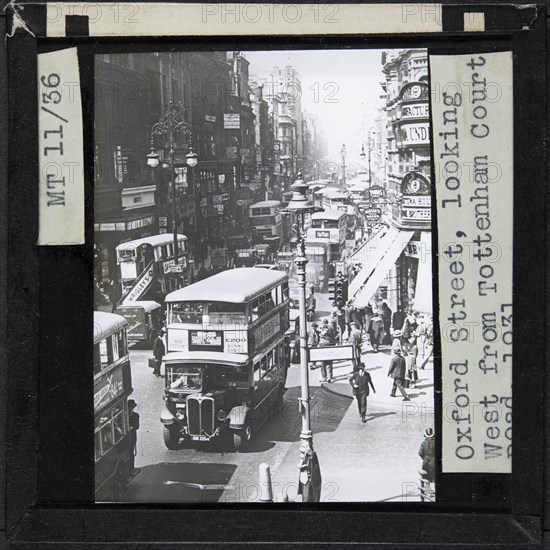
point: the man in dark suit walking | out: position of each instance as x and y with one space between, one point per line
360 382
397 372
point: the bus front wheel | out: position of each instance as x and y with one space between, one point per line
241 438
171 437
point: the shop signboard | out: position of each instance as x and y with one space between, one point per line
372 215
232 121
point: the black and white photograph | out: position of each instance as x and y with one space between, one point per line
263 324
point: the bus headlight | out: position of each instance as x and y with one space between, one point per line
180 411
221 415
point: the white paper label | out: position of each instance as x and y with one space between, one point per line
473 153
61 194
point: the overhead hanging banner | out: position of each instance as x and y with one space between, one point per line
473 157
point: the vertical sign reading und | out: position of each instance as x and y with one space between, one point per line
473 154
61 193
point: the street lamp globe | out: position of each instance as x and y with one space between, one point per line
192 158
299 202
153 159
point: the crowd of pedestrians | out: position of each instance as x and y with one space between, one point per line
409 336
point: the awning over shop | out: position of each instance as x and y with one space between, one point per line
370 265
391 247
423 291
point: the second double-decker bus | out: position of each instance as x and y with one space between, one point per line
266 221
148 266
325 244
114 447
227 358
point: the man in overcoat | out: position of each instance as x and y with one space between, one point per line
360 382
397 372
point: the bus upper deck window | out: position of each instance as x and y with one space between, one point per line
97 360
262 308
285 290
255 309
105 352
185 312
269 301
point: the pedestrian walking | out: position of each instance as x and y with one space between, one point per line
427 454
429 343
420 333
359 316
356 340
376 331
312 339
327 337
114 293
348 316
386 313
409 326
159 351
313 336
341 320
397 372
334 322
360 382
397 344
398 319
133 421
411 359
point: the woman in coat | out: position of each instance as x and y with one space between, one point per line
376 331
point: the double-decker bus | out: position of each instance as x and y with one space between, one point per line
148 266
113 444
227 359
325 243
266 221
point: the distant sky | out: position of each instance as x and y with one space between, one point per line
341 87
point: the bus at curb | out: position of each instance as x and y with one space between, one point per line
113 444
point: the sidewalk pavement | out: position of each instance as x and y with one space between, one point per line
374 461
377 364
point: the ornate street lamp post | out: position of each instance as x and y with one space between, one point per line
370 147
169 127
343 153
310 475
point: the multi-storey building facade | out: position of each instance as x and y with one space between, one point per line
403 256
408 176
133 200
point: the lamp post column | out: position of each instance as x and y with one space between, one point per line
306 435
174 208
